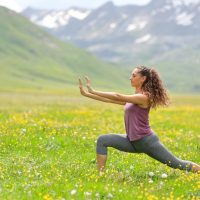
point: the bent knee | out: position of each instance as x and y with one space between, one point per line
101 139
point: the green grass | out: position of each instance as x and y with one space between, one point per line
48 150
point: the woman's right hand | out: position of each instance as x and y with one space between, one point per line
90 90
82 91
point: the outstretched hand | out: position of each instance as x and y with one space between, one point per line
88 84
82 91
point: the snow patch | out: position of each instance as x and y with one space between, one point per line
176 3
184 19
142 24
78 14
131 27
48 21
165 8
191 2
143 39
113 25
136 26
60 18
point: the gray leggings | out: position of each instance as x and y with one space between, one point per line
149 145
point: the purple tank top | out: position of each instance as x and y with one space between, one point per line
136 121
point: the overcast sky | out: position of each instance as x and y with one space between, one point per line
63 4
18 5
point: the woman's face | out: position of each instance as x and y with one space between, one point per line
136 78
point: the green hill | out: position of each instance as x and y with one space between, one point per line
179 67
33 60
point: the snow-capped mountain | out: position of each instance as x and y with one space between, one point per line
53 19
126 33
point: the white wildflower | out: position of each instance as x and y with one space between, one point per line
19 172
110 196
150 181
151 174
87 193
131 167
161 183
100 173
97 194
164 175
23 130
73 192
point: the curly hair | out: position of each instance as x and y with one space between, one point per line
153 87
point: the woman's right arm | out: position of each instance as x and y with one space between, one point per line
92 96
104 99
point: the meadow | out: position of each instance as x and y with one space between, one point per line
47 150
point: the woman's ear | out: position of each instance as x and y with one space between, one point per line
144 79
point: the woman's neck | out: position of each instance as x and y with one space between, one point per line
138 90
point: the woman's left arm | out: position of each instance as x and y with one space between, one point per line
135 98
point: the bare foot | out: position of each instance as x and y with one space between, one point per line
195 168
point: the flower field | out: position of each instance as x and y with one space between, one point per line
47 150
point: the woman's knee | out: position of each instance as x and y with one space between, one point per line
106 139
100 146
101 139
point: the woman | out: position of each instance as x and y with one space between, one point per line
139 138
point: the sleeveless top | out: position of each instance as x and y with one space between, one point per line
136 121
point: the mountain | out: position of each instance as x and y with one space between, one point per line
112 32
32 59
53 18
163 33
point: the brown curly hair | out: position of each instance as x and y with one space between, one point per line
153 87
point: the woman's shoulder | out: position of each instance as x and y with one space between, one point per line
146 100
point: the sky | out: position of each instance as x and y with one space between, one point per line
17 5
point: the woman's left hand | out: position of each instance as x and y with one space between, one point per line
82 91
89 85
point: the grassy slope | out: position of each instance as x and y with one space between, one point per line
32 59
179 67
